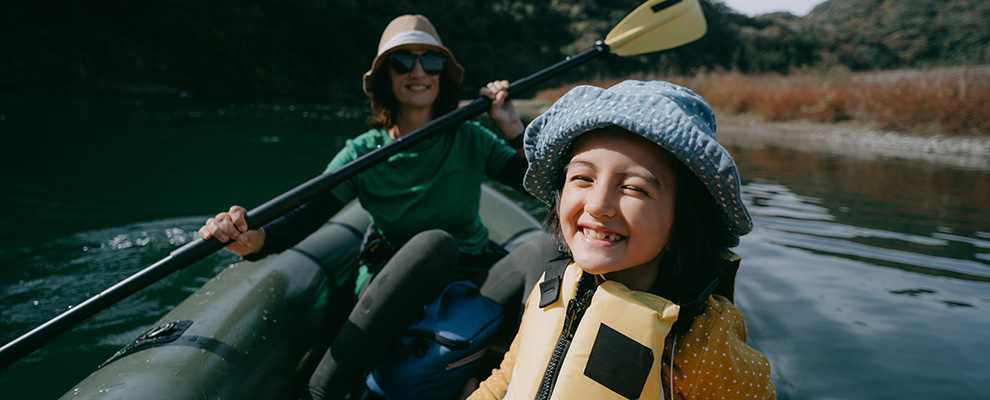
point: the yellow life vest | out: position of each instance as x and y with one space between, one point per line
615 351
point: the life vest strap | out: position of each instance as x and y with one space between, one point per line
554 275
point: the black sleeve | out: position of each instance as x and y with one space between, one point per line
513 173
291 228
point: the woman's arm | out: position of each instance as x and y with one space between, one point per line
513 173
276 236
293 227
503 113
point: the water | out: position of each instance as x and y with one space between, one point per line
867 279
862 280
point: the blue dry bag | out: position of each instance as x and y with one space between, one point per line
433 357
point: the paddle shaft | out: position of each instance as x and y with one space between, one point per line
269 211
299 195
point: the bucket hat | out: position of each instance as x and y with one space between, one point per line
408 32
673 117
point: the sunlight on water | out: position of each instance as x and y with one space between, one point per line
768 199
89 262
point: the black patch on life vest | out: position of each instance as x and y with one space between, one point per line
619 363
550 287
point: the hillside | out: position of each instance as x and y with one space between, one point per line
886 34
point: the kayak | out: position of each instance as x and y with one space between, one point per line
258 329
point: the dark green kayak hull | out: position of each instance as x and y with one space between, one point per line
257 329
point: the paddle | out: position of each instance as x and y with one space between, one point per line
654 26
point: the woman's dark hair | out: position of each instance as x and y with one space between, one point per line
384 105
699 241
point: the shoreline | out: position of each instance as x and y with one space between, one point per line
847 138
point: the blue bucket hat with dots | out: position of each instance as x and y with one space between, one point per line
671 116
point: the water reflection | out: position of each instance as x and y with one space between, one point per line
898 206
862 279
815 229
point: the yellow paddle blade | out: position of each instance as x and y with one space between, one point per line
657 25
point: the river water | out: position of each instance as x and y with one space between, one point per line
864 279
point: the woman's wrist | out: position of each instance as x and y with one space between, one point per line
512 130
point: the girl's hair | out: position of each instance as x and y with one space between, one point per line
384 105
698 242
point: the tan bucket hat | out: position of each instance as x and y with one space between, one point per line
409 32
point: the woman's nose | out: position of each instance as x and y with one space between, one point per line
417 68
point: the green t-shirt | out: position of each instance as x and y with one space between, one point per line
435 184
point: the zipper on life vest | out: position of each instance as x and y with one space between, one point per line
575 310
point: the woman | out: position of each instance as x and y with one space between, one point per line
423 202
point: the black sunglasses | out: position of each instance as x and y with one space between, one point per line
403 61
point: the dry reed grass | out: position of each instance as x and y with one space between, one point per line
941 101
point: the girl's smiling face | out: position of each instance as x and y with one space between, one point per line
617 205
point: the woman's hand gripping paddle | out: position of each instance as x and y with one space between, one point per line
655 25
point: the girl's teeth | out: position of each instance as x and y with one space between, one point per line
601 235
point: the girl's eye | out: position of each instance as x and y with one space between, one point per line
579 178
635 189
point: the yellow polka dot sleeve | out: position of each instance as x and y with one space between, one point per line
712 360
498 383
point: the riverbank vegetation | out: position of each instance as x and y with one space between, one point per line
941 100
954 100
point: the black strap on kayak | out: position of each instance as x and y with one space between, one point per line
550 287
158 335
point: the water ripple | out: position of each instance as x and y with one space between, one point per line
802 222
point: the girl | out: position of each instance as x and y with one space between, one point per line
423 202
646 204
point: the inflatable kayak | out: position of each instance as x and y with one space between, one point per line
257 329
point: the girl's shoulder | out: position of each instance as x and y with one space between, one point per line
713 353
720 325
721 309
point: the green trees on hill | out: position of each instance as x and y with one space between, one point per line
321 47
872 34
